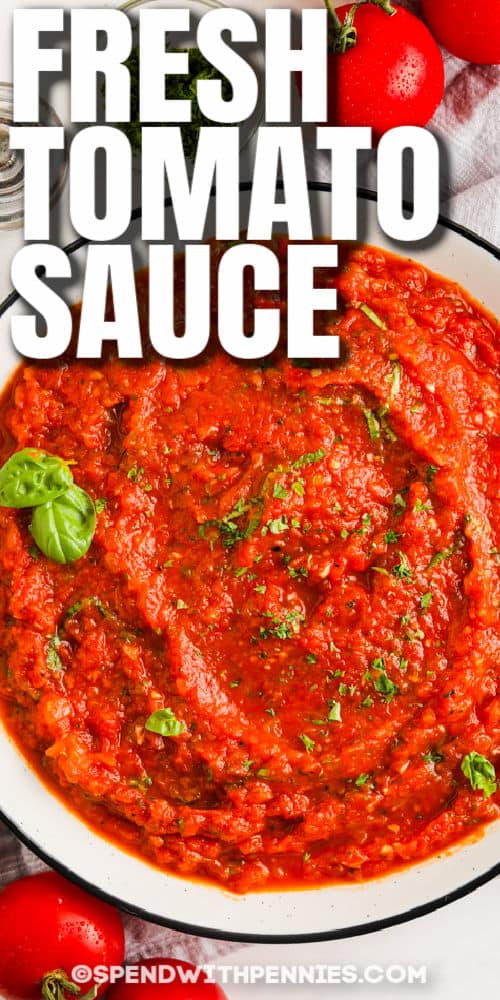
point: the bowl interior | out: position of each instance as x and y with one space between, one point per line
331 911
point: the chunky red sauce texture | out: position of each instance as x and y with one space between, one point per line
301 563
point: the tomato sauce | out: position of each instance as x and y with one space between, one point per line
300 562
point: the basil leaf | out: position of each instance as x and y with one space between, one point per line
480 772
63 528
164 722
31 477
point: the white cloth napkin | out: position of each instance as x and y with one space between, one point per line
467 124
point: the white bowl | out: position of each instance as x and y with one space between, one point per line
63 840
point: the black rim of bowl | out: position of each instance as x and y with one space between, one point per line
355 930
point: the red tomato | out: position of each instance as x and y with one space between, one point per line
392 76
176 990
470 31
47 923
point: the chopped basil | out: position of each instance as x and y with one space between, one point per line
74 609
308 743
419 506
433 757
480 772
425 600
311 658
298 487
309 458
229 531
135 473
431 472
296 574
372 424
142 783
371 315
402 570
381 682
391 537
386 427
361 780
335 713
383 685
283 629
439 557
100 504
164 723
53 659
278 525
395 378
279 492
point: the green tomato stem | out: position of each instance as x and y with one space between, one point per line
344 36
57 985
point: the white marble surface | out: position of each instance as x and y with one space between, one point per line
459 944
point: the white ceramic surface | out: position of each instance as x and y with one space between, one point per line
335 911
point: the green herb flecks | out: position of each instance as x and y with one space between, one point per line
283 628
391 537
381 682
308 743
229 530
372 424
54 661
372 316
440 557
279 492
395 378
309 458
278 525
402 570
361 780
335 713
